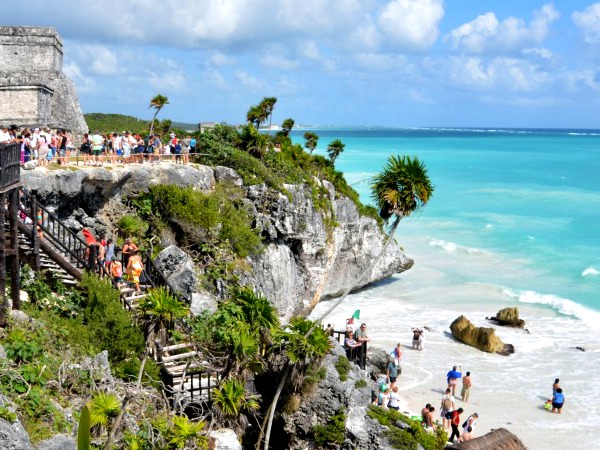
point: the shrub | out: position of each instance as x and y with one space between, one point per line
132 226
360 383
343 367
332 433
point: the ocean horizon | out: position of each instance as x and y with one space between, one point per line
512 222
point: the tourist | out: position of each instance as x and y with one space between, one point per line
555 386
383 398
185 149
558 400
62 148
42 149
466 387
116 270
126 147
392 372
26 147
97 142
425 411
428 419
361 334
397 353
4 135
329 330
86 149
109 252
417 341
452 377
394 399
128 250
135 267
349 342
447 407
454 422
468 427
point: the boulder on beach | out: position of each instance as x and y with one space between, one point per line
500 439
509 317
483 338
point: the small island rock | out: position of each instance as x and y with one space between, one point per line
483 338
509 317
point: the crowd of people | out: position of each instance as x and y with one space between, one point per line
42 146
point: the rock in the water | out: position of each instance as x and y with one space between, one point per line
509 317
483 338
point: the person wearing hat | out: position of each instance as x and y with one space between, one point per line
4 134
128 250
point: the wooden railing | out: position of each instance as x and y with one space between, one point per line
10 165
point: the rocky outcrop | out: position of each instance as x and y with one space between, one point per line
223 439
58 442
362 433
500 439
307 256
483 338
12 434
508 317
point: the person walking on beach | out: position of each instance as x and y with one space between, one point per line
453 376
468 426
558 400
447 407
454 423
397 353
392 372
466 387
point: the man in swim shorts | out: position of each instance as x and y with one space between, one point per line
453 376
466 387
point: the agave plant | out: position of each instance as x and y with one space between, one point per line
103 407
184 431
160 308
230 399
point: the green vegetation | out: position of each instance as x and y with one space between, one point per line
360 383
106 123
412 437
83 430
157 103
331 435
342 365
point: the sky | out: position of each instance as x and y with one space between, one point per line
399 63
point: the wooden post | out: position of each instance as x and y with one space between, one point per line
3 298
13 261
34 236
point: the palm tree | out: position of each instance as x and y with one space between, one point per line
231 401
334 149
162 308
157 102
267 105
402 188
311 141
255 116
286 127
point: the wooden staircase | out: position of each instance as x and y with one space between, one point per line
63 253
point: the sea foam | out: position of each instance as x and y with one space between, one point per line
590 272
453 247
561 305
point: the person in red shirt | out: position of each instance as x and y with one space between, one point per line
454 422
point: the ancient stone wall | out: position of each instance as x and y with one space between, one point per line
33 90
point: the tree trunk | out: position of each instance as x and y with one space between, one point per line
152 123
320 319
274 404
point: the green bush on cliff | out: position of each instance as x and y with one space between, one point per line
333 433
410 438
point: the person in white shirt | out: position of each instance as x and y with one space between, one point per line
394 399
4 135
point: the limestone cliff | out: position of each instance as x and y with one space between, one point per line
303 260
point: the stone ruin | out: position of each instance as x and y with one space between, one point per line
34 92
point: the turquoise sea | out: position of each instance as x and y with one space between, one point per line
513 221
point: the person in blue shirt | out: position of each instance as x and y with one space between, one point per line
453 376
558 399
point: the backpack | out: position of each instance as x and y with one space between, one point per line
447 403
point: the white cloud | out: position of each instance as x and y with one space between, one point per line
96 59
167 81
375 62
84 83
310 50
276 60
411 24
588 21
221 59
248 81
487 34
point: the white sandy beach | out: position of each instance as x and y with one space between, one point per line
508 391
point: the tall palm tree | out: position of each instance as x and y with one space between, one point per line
157 102
334 149
311 141
402 188
267 105
286 126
